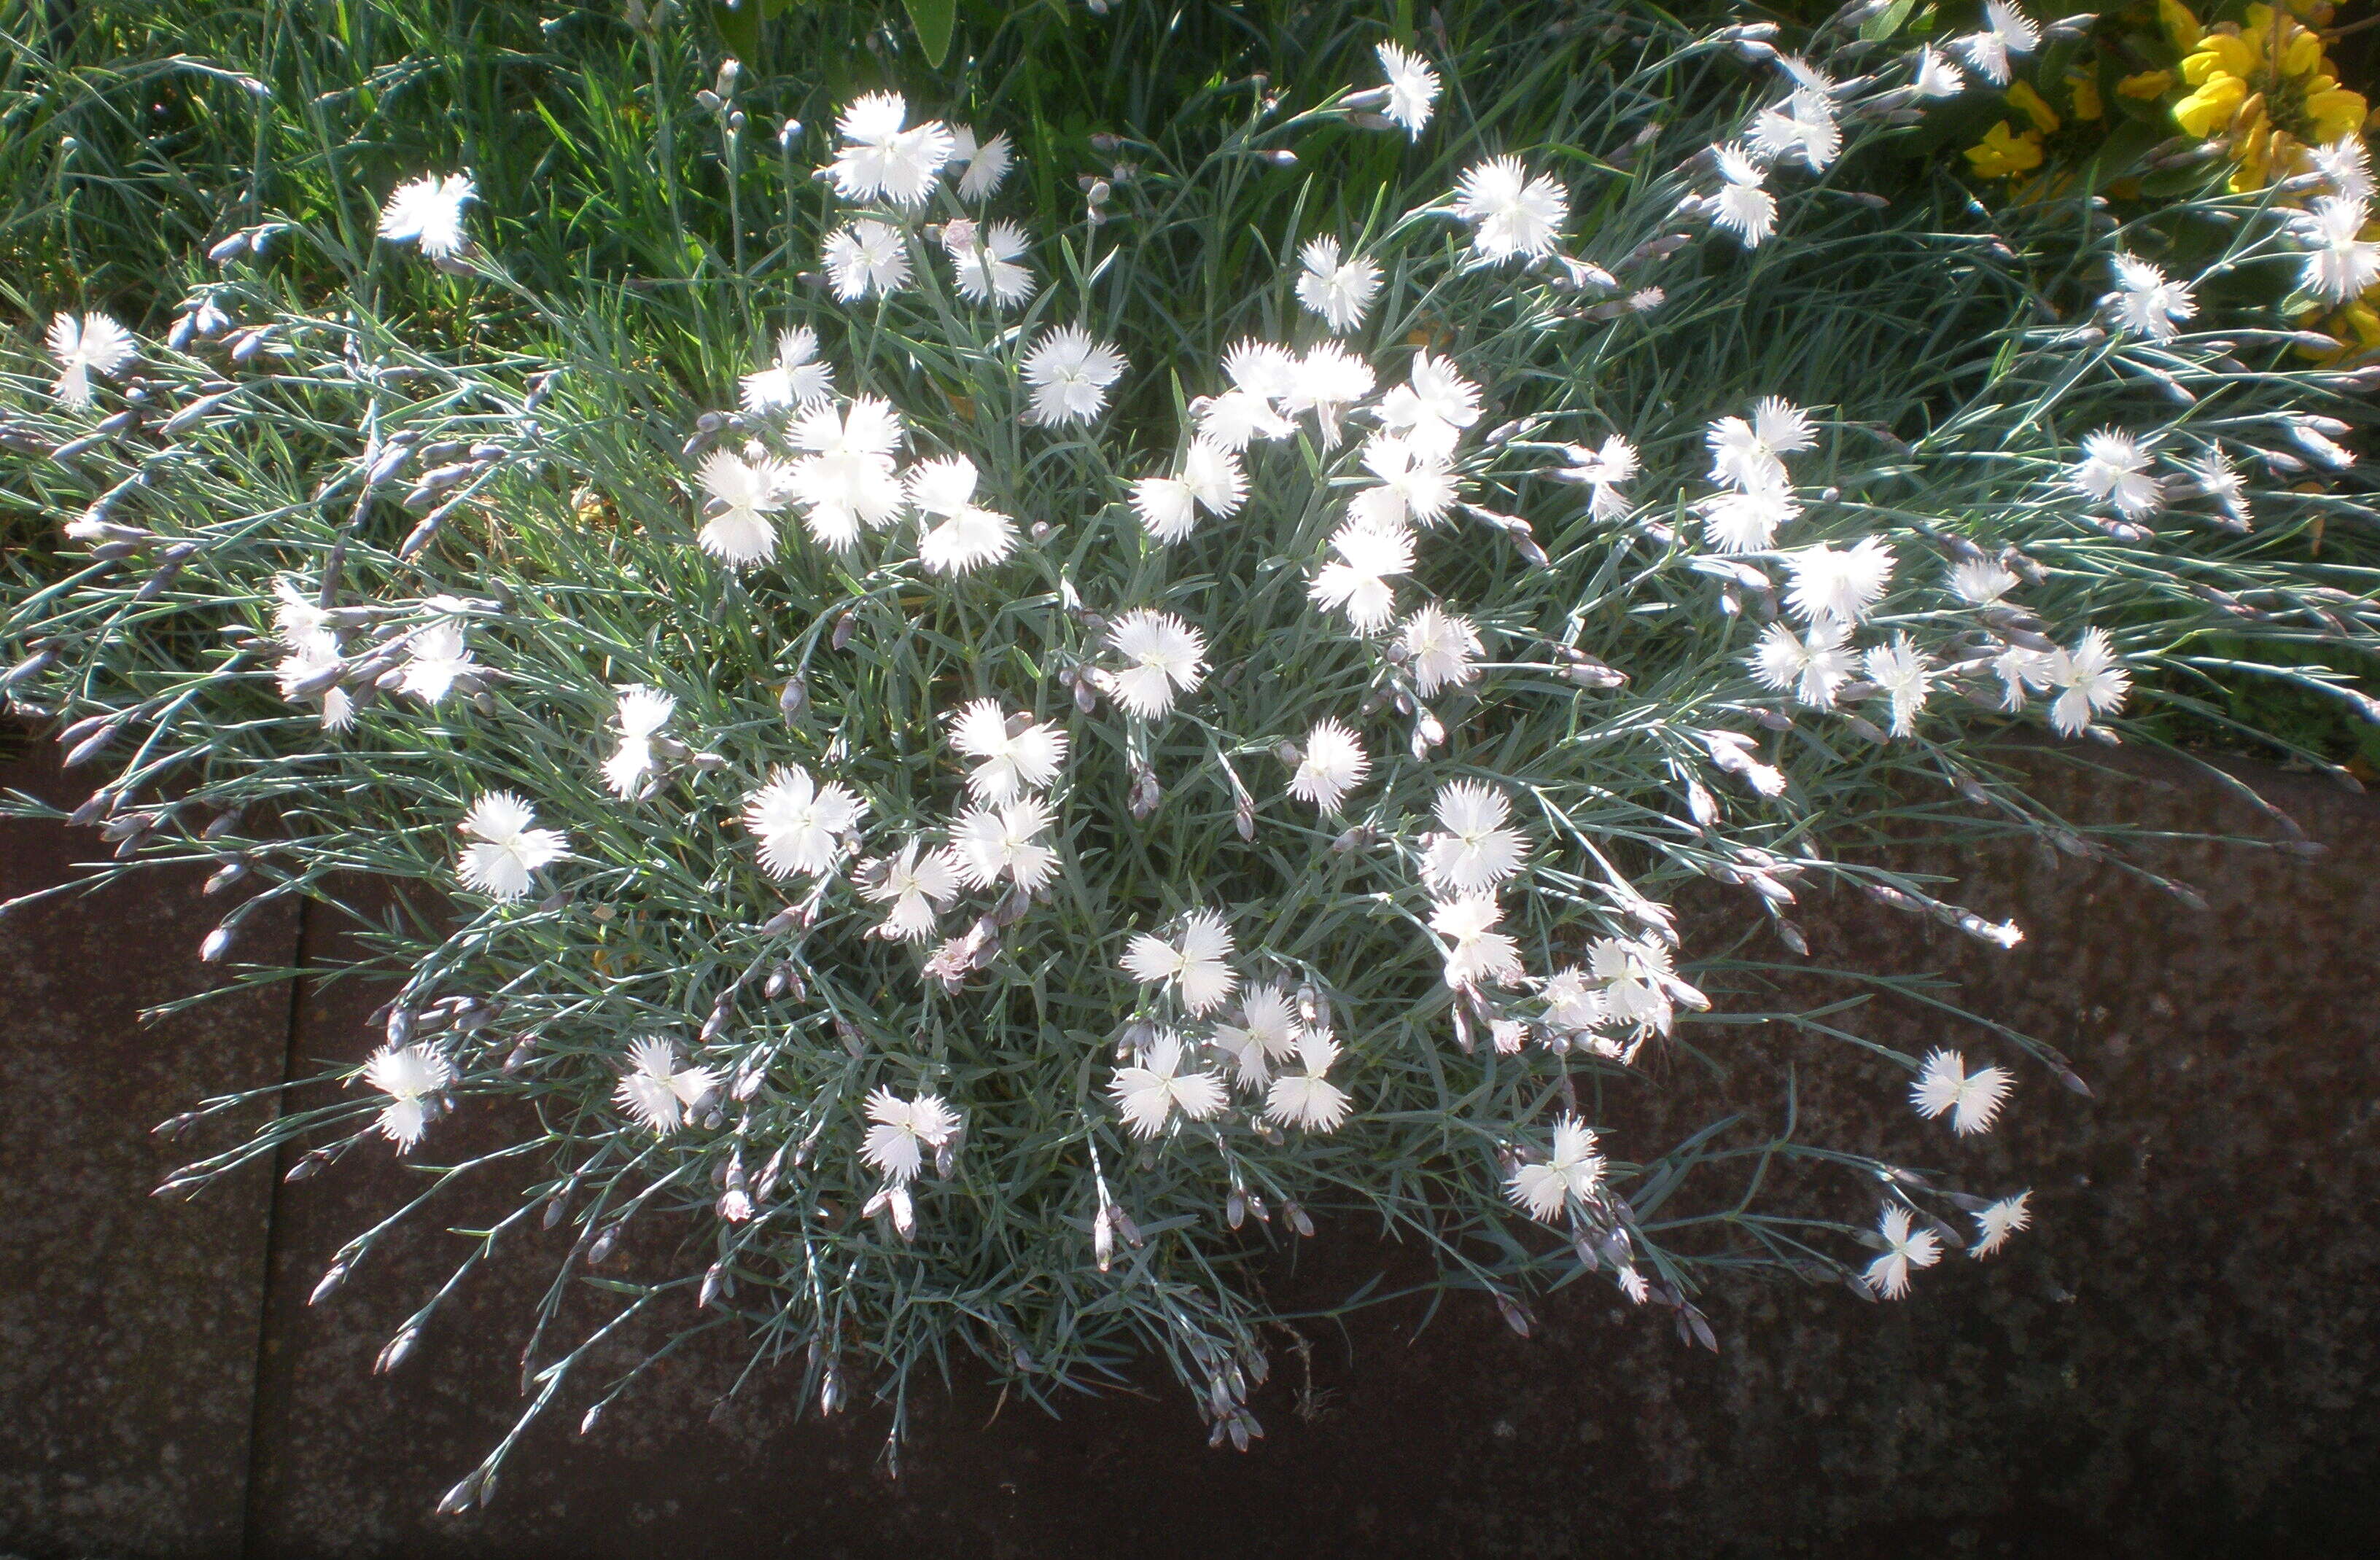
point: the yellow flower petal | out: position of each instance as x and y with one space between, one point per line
2219 54
2148 86
2003 151
2085 89
2210 108
2301 56
2021 95
2335 114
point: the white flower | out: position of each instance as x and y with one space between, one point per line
1474 950
1637 982
1974 1099
917 883
434 660
1935 76
1168 510
1150 1093
1903 673
1413 88
1358 580
800 824
847 479
2113 468
1514 214
1475 850
1339 291
296 617
1333 765
2345 165
641 714
1574 1169
1230 420
2339 264
1906 1247
1326 382
94 344
983 258
986 164
1019 753
1196 965
1742 206
1804 126
1166 658
2223 483
408 1076
1999 1220
1980 581
1814 668
2091 678
970 534
904 1129
2146 302
1842 583
504 850
429 212
312 652
742 494
866 257
1747 520
1750 454
1305 1099
1261 369
884 161
1603 470
992 845
968 539
1415 485
1433 407
1265 1034
2018 668
1441 649
1211 479
2006 32
795 379
658 1093
1069 373
1572 1004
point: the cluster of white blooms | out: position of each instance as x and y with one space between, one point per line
837 462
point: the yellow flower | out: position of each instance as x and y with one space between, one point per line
2219 54
2148 86
2023 96
2335 112
2182 28
2210 108
2086 88
2301 56
2002 152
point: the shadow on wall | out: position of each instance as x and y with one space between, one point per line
2183 1358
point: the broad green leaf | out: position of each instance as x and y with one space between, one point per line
935 21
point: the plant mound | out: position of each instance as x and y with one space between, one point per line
1127 740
